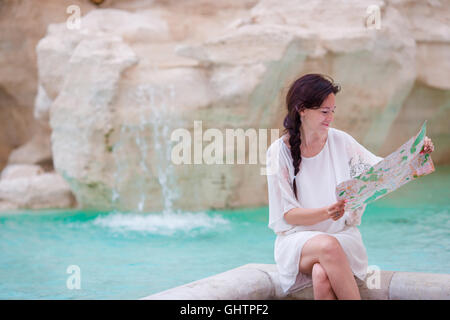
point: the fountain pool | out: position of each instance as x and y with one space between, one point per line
132 255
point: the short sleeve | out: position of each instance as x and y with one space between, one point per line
279 183
360 160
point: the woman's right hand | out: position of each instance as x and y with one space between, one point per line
336 211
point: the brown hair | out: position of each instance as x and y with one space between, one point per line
307 92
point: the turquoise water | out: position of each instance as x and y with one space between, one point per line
130 256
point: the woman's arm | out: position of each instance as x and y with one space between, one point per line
310 216
305 217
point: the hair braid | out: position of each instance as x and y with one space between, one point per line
294 142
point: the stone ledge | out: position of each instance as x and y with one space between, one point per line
260 282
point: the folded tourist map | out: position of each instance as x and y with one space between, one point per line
400 167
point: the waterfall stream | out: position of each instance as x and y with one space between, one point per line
154 106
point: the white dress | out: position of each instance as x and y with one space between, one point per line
341 158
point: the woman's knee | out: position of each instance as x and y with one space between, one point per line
320 247
330 248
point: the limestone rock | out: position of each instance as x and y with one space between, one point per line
22 25
14 171
42 105
115 92
35 151
47 190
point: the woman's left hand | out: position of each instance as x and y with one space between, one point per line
428 146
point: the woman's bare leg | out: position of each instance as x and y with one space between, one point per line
321 284
327 251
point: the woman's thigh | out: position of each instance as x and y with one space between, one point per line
312 249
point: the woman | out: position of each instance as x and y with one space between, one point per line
318 242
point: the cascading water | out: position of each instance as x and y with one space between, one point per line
161 120
158 120
156 115
119 168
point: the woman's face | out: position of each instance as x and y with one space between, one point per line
319 119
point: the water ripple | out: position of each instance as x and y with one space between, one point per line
161 224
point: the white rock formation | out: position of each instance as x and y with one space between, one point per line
22 25
14 171
28 186
118 87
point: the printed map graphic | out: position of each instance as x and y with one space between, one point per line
400 167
